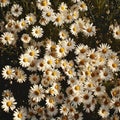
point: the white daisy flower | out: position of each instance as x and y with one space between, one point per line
114 65
7 38
63 34
43 21
34 78
48 14
23 24
59 19
4 3
20 75
7 93
20 113
41 64
8 103
62 7
81 50
115 104
43 4
39 110
25 60
32 52
37 32
8 72
74 29
16 10
116 32
52 111
68 16
89 30
33 66
82 6
64 109
25 38
50 101
31 19
9 26
103 112
36 92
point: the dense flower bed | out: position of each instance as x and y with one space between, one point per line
59 61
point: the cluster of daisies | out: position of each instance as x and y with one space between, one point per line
83 77
66 79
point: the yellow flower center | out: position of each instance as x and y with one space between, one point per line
3 1
44 3
20 115
9 72
49 62
118 32
114 65
37 92
32 53
58 19
7 38
51 100
9 103
77 87
62 50
25 60
89 30
48 14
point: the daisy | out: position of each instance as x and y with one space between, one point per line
104 49
10 24
31 19
25 60
82 6
60 98
41 64
63 34
20 113
64 109
52 91
70 72
115 104
34 78
75 14
32 52
37 32
75 100
78 116
44 82
36 92
62 7
114 65
68 16
16 27
81 50
52 111
23 24
4 3
7 93
43 4
59 19
55 74
43 21
70 44
32 66
49 61
16 10
7 38
99 90
116 32
48 14
74 29
9 16
31 113
81 23
50 101
8 103
39 110
20 75
87 97
89 30
114 117
115 92
89 107
8 72
61 51
103 112
25 38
